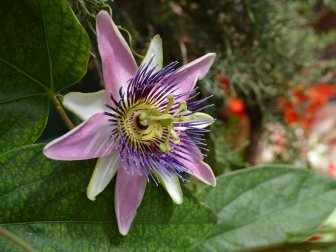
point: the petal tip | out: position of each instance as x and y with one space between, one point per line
102 14
124 226
212 55
178 201
48 152
177 197
123 230
204 173
90 197
211 180
158 37
214 183
89 194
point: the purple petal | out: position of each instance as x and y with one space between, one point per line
190 73
90 139
129 191
118 62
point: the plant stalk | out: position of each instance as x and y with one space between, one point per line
61 112
14 238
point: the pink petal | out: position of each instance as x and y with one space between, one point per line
192 72
129 191
90 139
197 167
118 62
202 171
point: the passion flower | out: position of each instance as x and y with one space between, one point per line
145 125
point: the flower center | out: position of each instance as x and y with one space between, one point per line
165 120
135 133
144 124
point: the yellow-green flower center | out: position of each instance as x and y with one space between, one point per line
144 124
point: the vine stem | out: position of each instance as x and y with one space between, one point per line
130 42
14 238
61 112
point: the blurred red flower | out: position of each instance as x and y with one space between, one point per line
303 102
223 81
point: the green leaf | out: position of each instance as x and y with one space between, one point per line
266 205
43 49
44 202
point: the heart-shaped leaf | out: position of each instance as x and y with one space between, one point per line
267 205
44 202
43 49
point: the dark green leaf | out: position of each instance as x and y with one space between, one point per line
44 202
43 49
267 205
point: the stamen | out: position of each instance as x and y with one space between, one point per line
182 108
170 103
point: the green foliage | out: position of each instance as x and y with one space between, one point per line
331 4
232 160
261 44
266 205
88 9
44 202
43 49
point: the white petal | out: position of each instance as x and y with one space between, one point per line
154 52
171 184
206 119
106 168
85 105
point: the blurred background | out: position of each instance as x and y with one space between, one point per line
273 80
